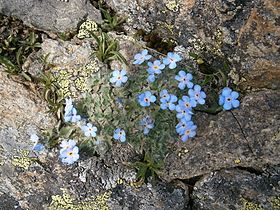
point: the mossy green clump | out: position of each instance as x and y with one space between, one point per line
66 201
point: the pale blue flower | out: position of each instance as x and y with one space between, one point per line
184 80
228 99
187 103
182 112
119 134
155 67
89 130
197 94
189 132
141 57
68 106
151 78
171 60
34 138
147 123
164 95
67 144
72 116
169 103
69 156
119 77
145 99
181 126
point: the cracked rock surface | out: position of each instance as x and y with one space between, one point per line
247 137
238 189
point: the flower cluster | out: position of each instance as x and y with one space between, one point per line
183 106
70 113
69 152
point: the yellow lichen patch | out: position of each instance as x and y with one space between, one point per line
71 82
275 202
65 201
237 161
85 29
172 5
247 205
23 160
133 183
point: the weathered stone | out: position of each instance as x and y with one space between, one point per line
245 32
238 189
51 15
159 197
248 137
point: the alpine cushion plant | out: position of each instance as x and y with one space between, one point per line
184 80
228 99
119 134
141 57
145 99
89 130
197 94
171 60
119 77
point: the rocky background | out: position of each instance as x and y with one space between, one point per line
233 163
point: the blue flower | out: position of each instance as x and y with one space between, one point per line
151 78
183 113
34 138
65 145
228 99
69 156
181 126
146 98
89 130
187 103
171 60
148 123
184 80
118 77
119 134
155 67
71 116
164 95
38 147
141 57
189 132
68 106
197 94
169 103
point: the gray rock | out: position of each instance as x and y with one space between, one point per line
159 197
50 15
238 189
244 32
248 137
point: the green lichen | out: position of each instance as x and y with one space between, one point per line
23 160
66 201
172 6
275 202
85 29
247 205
